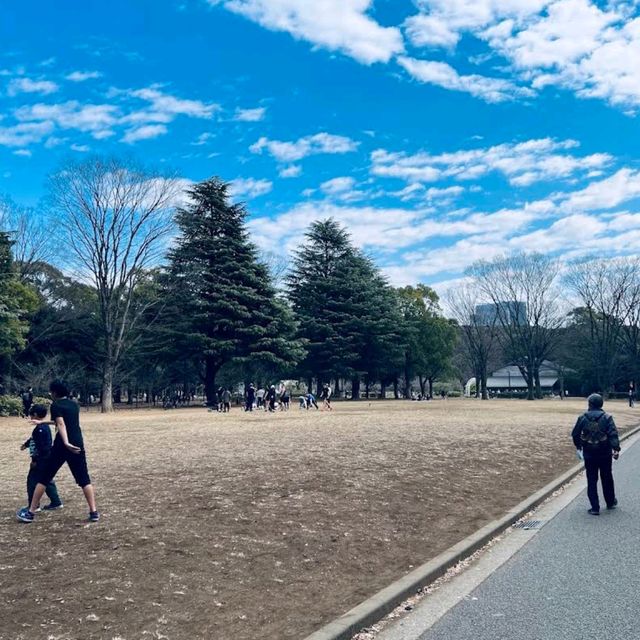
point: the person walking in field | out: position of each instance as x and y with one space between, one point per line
251 398
285 399
39 445
596 436
27 401
326 397
68 447
270 398
226 401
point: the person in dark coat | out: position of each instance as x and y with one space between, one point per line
596 437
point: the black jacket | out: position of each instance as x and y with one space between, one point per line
608 426
42 442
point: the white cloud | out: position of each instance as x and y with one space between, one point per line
165 105
145 132
521 163
307 146
24 134
80 148
97 119
292 171
622 186
26 85
23 152
338 185
203 138
444 75
337 25
82 76
250 115
249 187
589 47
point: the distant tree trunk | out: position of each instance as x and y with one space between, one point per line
483 385
407 384
106 393
383 390
318 386
129 395
309 384
396 391
337 390
422 382
355 388
367 384
530 385
536 379
430 387
211 370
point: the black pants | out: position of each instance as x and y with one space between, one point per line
595 464
77 463
51 489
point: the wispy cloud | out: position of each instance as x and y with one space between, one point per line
337 25
309 145
249 187
83 76
27 85
250 115
521 163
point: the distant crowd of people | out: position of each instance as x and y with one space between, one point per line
272 399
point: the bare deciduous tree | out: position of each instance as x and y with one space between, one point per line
114 219
479 336
30 233
608 291
527 304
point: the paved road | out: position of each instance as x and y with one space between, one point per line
577 579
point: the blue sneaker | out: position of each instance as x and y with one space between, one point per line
94 516
52 507
24 515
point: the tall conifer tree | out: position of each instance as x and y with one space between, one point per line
222 306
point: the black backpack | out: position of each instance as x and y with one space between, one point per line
593 432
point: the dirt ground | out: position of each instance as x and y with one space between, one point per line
246 526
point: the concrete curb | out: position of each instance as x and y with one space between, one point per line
385 601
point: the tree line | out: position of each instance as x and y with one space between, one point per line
581 318
131 284
128 292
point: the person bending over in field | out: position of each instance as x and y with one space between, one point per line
39 445
311 401
68 447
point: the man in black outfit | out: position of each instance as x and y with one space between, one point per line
595 434
68 447
27 401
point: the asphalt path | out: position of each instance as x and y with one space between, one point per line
578 578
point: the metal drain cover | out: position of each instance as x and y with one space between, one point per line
528 524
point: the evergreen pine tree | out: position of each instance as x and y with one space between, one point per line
221 305
345 308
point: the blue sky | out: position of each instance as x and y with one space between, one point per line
439 131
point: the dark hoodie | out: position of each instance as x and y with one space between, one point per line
608 429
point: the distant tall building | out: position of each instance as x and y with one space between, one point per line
495 313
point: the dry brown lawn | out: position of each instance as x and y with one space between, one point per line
258 526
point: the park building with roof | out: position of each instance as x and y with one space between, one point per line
509 380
